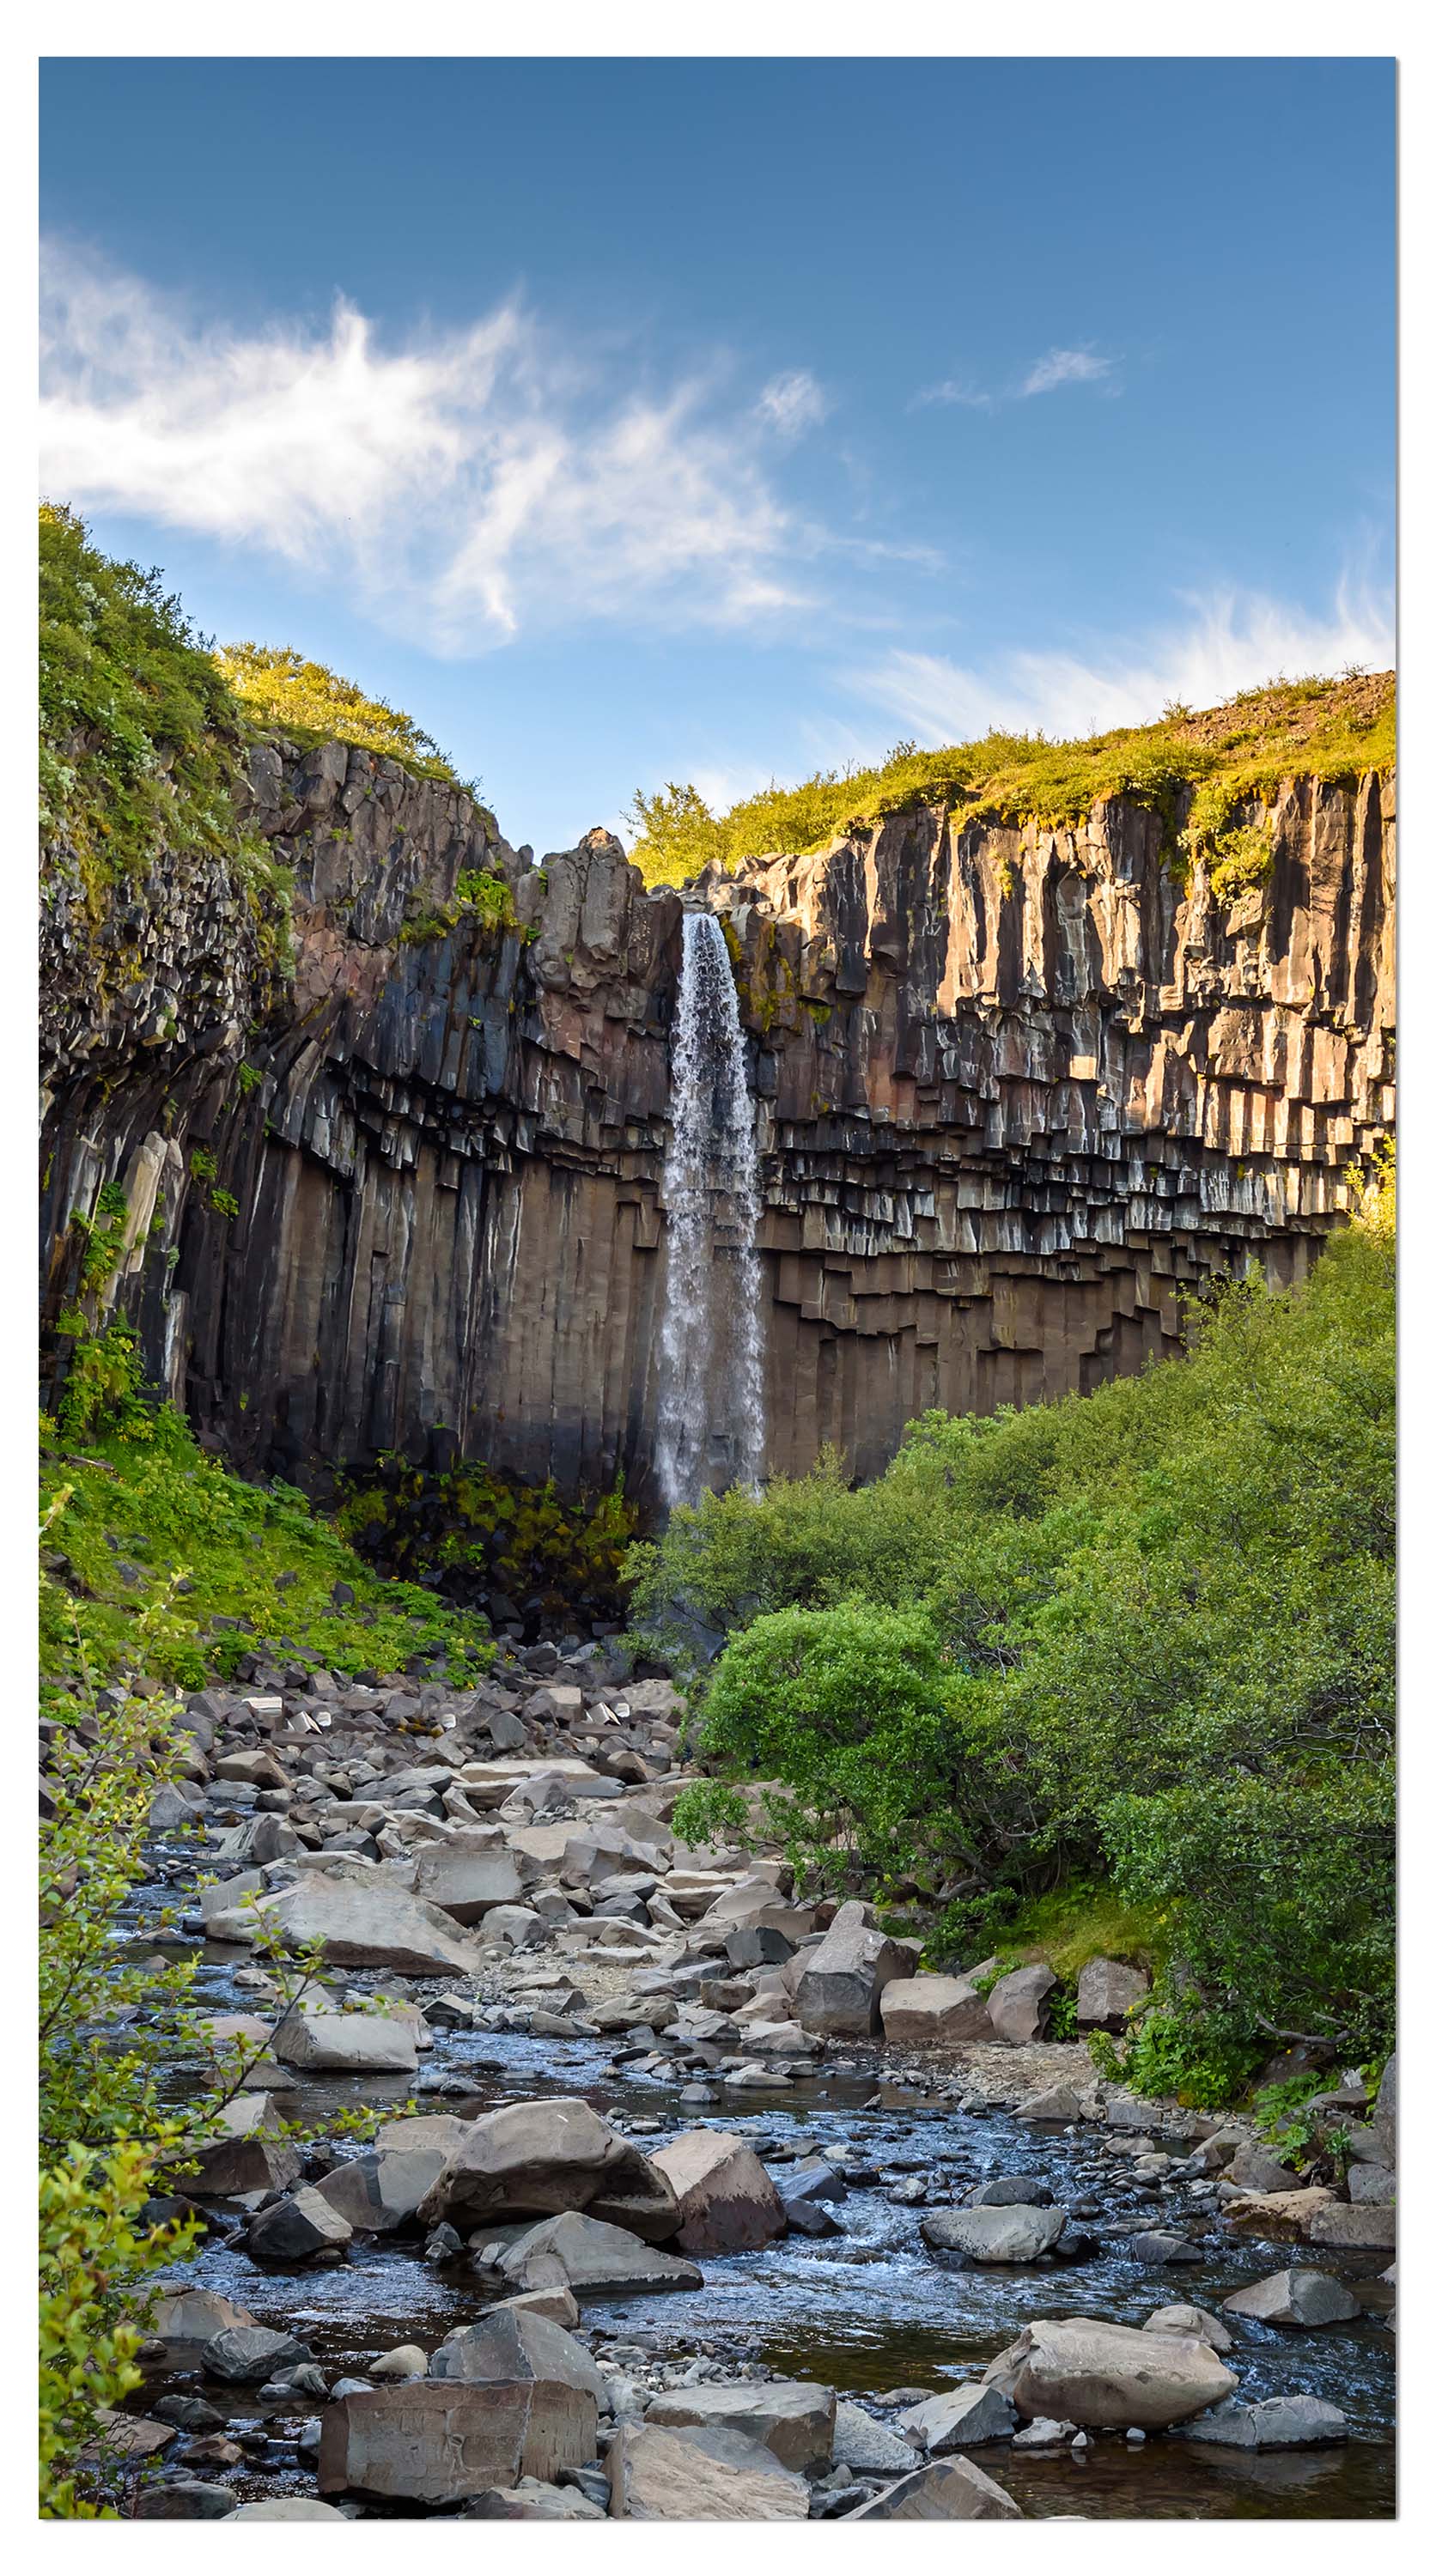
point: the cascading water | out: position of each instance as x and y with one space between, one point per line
710 1352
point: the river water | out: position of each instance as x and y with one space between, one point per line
870 2309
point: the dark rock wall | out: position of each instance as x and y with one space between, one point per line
1016 1091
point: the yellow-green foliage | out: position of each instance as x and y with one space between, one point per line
279 688
479 897
1220 761
257 1558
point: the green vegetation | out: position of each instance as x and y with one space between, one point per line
479 896
140 736
1137 1644
259 1567
1198 771
283 692
470 1531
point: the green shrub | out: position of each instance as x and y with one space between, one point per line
1157 1659
713 1811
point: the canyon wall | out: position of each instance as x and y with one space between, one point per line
1017 1089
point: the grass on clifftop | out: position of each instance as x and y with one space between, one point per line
1224 759
261 1569
279 689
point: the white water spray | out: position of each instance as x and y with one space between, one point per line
710 1351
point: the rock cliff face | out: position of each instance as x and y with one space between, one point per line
1016 1091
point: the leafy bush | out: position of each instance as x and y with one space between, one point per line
712 1811
1156 1655
469 1530
1203 769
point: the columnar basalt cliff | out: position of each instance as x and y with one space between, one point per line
1017 1088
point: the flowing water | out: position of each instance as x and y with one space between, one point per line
867 2310
710 1352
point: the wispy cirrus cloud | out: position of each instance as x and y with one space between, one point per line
793 403
1229 641
461 486
1045 375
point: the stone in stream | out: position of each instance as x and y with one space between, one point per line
468 1874
1046 2433
517 2343
533 2500
558 2305
186 2320
662 2475
440 2441
339 2043
592 2259
727 2201
947 2491
1163 2245
360 1924
1107 1990
184 2500
867 2447
1059 2102
1107 2376
1017 2006
296 2228
933 2011
379 2193
406 2361
790 2417
535 2158
247 2157
840 1989
1342 2223
1274 2424
1252 2169
245 2355
1294 2299
973 2413
1002 2235
1189 2321
287 2509
1010 2191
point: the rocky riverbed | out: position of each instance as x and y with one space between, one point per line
688 2200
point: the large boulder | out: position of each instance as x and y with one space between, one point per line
1180 2320
960 2416
248 2355
184 2321
1107 1990
1383 2115
791 2418
286 2509
380 2193
340 2043
592 2259
1010 2235
1369 2225
933 2011
1017 2004
662 2475
947 2491
468 1874
1106 2376
727 2201
1252 2169
248 2155
518 2343
296 2228
839 1991
359 1922
868 2448
533 2159
1274 2424
1294 2299
439 2441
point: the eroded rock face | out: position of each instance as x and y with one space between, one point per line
1016 1088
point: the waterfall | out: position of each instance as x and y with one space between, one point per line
710 1350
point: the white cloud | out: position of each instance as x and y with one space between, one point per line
953 389
1065 367
793 403
1059 367
462 485
1231 641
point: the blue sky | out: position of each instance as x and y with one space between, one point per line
629 421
